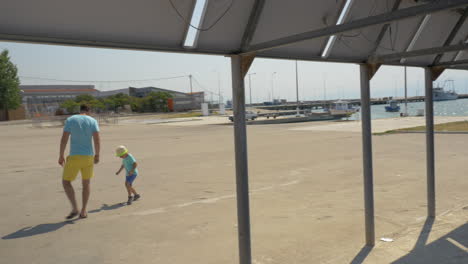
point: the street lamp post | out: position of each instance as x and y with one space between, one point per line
250 87
272 84
220 98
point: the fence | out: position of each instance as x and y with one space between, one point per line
44 120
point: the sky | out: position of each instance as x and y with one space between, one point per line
110 69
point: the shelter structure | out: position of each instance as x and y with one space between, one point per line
432 34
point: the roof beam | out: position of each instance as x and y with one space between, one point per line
421 52
360 23
459 68
453 34
384 28
252 24
101 44
450 63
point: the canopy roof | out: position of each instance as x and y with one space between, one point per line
376 31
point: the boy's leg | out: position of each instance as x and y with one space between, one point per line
133 190
128 187
130 180
86 193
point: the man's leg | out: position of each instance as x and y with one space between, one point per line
87 172
70 171
67 186
86 193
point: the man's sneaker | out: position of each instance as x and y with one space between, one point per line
130 199
136 197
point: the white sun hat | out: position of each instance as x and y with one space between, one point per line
120 151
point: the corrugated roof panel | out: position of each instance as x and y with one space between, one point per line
434 34
308 50
226 35
358 43
463 55
400 33
136 21
157 25
355 44
461 36
285 18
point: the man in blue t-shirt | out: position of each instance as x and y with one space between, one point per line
83 129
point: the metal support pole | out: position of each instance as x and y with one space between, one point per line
240 144
367 155
430 144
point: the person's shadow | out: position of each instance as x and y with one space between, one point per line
46 228
106 207
37 230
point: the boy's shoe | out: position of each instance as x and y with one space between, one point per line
136 197
130 199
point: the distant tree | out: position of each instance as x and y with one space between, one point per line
121 99
157 101
71 106
97 105
109 103
84 98
10 94
136 104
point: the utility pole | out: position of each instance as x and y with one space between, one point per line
297 92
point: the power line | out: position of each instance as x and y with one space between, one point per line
197 28
119 81
202 87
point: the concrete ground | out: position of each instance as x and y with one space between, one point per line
306 197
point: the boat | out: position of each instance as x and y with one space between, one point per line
439 94
392 106
341 107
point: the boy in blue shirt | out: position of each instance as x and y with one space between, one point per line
130 165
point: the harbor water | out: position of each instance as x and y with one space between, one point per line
457 107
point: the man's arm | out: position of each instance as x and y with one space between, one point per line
97 146
63 145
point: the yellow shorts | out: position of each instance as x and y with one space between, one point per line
77 163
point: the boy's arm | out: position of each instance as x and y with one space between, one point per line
133 169
97 146
63 145
121 168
